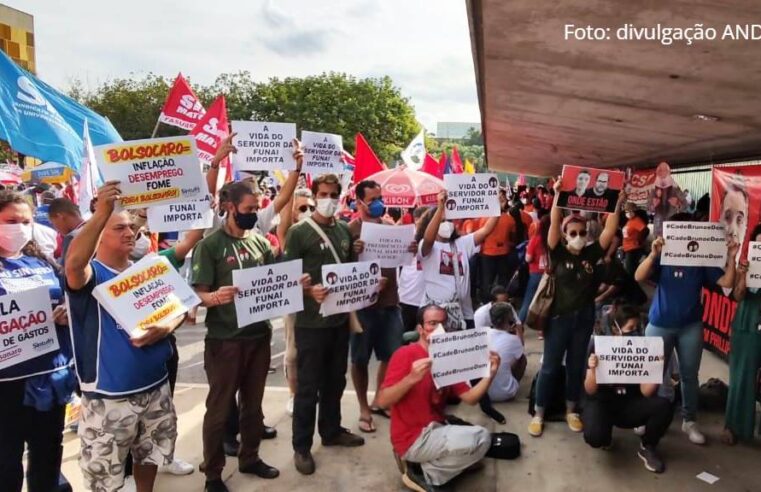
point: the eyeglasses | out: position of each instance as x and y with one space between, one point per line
580 233
304 208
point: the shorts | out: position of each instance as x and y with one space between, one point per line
383 331
144 423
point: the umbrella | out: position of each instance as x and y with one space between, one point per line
404 187
9 178
50 172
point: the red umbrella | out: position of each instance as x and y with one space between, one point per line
407 188
9 178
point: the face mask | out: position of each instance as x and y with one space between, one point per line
446 229
304 215
524 201
376 209
327 207
142 245
245 221
629 215
576 243
13 237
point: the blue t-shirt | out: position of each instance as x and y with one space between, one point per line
677 300
24 273
108 365
41 215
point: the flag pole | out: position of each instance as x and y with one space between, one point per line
156 128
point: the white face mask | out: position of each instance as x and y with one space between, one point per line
304 215
142 245
327 207
446 229
576 243
13 237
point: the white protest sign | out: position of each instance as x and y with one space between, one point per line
26 326
156 171
263 146
268 291
471 196
197 214
322 153
753 279
149 292
459 356
351 286
694 244
388 244
629 360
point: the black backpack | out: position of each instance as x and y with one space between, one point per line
504 446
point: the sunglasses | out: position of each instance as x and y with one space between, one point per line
304 208
580 233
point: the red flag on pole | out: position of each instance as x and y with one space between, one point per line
210 131
432 167
366 162
181 108
457 167
443 161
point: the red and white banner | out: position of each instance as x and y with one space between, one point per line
639 187
182 107
210 131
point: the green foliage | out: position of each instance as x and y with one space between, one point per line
473 153
330 102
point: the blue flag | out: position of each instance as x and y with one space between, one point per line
39 121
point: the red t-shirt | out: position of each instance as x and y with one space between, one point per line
422 404
535 249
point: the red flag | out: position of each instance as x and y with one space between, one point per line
457 167
367 163
210 131
432 167
181 108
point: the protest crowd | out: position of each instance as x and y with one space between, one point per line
442 285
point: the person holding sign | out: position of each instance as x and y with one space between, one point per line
322 342
419 433
572 262
676 315
126 398
381 322
34 391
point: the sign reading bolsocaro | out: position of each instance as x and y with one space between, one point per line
694 244
459 356
264 146
155 171
471 196
629 360
26 326
351 286
268 291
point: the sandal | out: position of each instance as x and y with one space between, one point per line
380 411
369 426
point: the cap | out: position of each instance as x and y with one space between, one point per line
573 218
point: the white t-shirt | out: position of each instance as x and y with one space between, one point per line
438 269
46 238
412 284
481 318
504 386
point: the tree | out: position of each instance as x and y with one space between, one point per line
330 102
473 137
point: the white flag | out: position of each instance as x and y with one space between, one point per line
414 154
89 177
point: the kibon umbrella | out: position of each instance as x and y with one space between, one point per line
8 178
406 188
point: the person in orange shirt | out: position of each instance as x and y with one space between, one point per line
635 234
494 264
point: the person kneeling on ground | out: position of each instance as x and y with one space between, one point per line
506 339
625 405
418 431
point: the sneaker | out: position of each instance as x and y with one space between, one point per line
216 485
345 439
129 484
536 426
640 431
651 459
289 407
304 462
574 422
177 467
413 478
690 427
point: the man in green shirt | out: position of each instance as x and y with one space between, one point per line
322 342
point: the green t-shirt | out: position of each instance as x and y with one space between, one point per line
575 280
214 259
302 242
171 255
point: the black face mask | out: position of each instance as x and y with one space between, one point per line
245 221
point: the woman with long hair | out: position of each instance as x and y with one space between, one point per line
34 392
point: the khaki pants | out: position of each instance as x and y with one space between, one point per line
289 358
234 366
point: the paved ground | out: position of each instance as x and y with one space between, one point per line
559 461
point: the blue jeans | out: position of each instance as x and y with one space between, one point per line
383 330
531 287
567 335
688 342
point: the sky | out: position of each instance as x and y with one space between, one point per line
423 45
